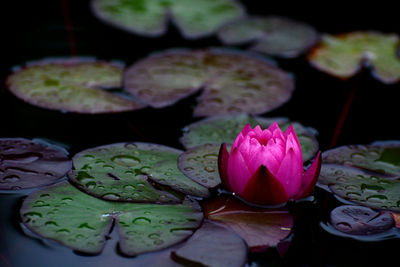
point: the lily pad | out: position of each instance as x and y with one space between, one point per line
201 164
233 82
212 245
224 129
135 172
260 228
71 85
344 55
358 220
194 19
27 164
272 35
65 214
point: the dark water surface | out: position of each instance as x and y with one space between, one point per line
34 30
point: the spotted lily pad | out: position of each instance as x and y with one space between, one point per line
136 172
272 35
232 82
260 228
71 85
224 129
344 55
201 164
364 174
65 214
212 245
26 164
194 19
358 220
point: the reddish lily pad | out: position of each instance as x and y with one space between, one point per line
344 55
272 35
68 216
260 228
358 220
71 85
224 129
212 245
194 19
364 174
200 164
233 82
133 172
27 164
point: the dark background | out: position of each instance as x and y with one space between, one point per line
36 29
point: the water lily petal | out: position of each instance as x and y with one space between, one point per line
223 166
292 141
277 149
290 173
260 155
264 188
238 171
310 178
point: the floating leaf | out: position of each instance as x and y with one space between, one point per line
224 129
212 245
260 228
233 82
200 164
63 213
358 220
344 55
272 35
70 85
133 172
380 157
194 19
359 186
26 164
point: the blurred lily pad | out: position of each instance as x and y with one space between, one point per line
65 214
134 172
368 175
271 35
232 82
344 55
260 228
26 164
358 220
71 85
212 245
194 19
224 129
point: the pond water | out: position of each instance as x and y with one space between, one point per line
357 111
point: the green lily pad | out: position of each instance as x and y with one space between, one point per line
344 55
194 19
233 82
135 172
27 164
201 164
71 85
212 245
260 228
272 35
65 214
224 129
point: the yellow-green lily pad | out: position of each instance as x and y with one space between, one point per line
194 19
71 85
344 55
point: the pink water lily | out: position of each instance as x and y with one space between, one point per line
266 166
